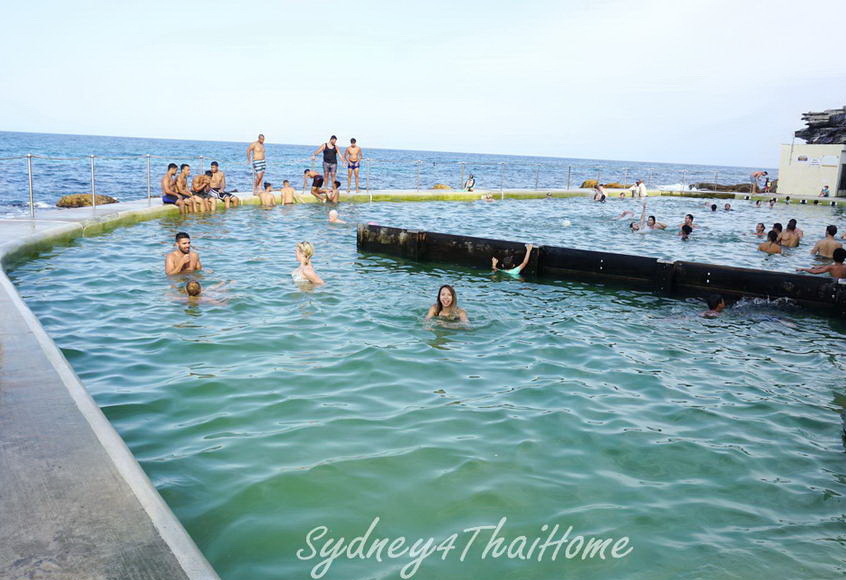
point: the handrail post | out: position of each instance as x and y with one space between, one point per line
93 185
29 177
418 174
149 183
716 177
569 170
650 177
501 192
461 183
598 174
202 163
684 177
625 175
537 176
367 178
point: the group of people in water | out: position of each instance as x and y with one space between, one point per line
209 187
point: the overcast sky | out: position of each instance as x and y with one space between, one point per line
694 81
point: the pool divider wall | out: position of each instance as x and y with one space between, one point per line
671 278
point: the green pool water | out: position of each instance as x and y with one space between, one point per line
714 446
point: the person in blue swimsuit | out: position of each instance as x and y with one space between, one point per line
508 268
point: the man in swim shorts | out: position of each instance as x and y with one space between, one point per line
255 156
352 157
330 158
170 196
182 259
200 189
191 203
316 184
217 186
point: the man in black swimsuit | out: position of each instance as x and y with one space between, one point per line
330 158
316 183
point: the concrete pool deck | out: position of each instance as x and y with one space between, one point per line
75 502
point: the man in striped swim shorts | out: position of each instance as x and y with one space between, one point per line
255 155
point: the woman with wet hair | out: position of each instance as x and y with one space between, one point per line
446 306
305 272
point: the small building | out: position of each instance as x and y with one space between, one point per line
804 169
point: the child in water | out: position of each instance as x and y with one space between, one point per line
508 266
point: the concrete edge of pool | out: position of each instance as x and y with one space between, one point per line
75 501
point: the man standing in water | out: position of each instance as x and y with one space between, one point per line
182 259
330 159
352 157
826 246
255 155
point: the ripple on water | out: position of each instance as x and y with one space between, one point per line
714 445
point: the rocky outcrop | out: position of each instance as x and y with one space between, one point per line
441 186
705 186
617 185
826 127
589 184
83 200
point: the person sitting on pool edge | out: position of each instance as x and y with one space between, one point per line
200 188
716 304
217 186
305 272
182 259
266 197
826 246
334 194
771 245
446 306
508 266
837 270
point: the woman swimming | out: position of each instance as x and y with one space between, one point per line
446 306
305 273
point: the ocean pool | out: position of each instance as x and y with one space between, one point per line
713 445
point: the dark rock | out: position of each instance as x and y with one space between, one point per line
824 128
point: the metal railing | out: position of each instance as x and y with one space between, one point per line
491 174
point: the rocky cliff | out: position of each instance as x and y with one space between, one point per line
826 127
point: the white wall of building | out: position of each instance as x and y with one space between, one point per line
804 169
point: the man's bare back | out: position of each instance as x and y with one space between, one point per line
826 247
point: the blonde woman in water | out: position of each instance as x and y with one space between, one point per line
305 273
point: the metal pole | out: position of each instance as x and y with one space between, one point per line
501 192
683 179
93 185
625 175
716 177
537 176
461 183
202 163
569 169
418 175
598 173
650 176
29 176
367 178
149 183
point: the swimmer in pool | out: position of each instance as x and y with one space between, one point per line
193 292
266 197
599 193
760 230
334 219
640 226
716 304
508 267
288 194
688 221
771 245
334 194
758 203
182 259
837 270
727 207
827 245
305 273
685 232
791 236
653 225
446 306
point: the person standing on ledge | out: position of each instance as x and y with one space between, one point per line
182 259
255 156
330 159
170 196
826 246
352 157
759 181
638 189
